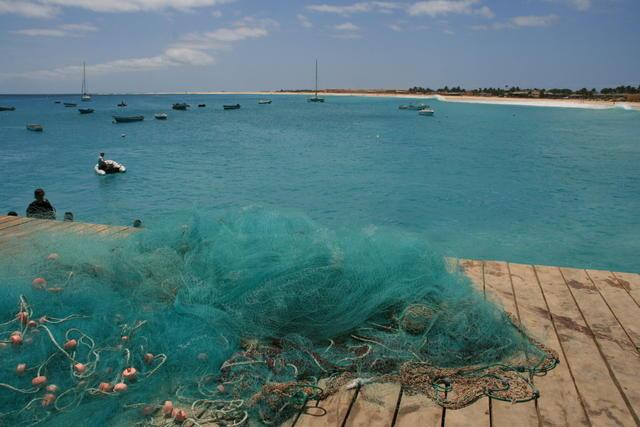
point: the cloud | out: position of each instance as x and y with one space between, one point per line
134 5
580 4
396 27
445 7
520 22
216 13
27 9
347 26
65 30
304 21
361 7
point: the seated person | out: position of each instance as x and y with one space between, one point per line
102 165
40 207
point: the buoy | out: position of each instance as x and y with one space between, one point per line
148 358
120 388
124 338
23 317
52 388
79 368
179 415
167 407
70 345
32 324
130 374
39 381
39 283
106 387
220 388
48 399
21 368
52 256
16 338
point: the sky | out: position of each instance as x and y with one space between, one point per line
140 46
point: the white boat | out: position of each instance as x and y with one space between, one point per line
426 112
264 101
161 116
112 167
85 96
315 97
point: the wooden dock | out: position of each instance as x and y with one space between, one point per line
590 317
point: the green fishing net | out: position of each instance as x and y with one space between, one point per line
236 317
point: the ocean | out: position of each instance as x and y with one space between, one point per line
556 186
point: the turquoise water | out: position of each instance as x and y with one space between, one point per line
524 184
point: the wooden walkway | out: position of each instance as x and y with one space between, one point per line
590 317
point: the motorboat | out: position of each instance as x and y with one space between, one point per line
70 104
182 106
86 110
161 116
202 105
264 101
7 108
426 112
315 98
127 119
122 104
413 107
111 166
56 102
35 128
231 106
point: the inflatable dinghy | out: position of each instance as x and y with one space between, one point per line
112 167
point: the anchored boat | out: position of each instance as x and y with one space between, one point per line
86 110
110 166
202 105
7 108
35 128
231 106
264 101
413 107
182 106
70 104
426 112
161 116
122 104
315 97
127 119
85 95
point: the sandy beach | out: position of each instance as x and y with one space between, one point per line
531 102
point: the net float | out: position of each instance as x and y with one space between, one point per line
32 324
124 338
39 381
105 387
55 290
130 374
16 338
39 283
52 388
21 368
179 415
220 388
167 407
53 256
148 358
23 317
70 345
79 368
48 399
120 388
203 357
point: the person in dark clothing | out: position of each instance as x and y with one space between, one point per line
40 207
102 165
12 213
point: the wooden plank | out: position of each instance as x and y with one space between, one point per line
624 308
7 218
16 222
476 414
498 288
631 282
474 270
420 411
613 343
334 407
374 406
535 318
26 229
601 398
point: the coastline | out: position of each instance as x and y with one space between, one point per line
494 100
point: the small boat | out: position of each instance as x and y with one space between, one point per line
56 102
426 112
231 106
182 106
35 128
86 110
112 167
264 101
315 97
202 105
413 107
85 95
70 104
122 104
7 108
127 119
161 116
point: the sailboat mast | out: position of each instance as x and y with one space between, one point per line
84 83
316 78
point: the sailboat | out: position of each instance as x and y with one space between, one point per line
85 95
315 97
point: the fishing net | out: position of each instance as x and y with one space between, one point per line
238 317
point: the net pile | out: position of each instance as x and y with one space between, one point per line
238 317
